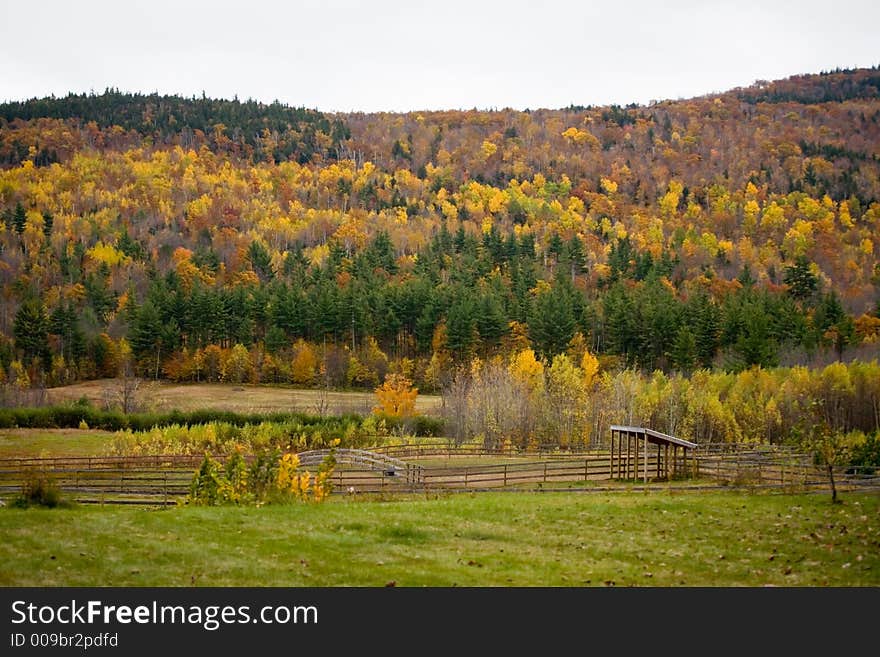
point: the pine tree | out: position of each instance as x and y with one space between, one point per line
63 323
145 334
801 281
552 323
684 349
261 261
706 319
755 345
30 330
491 320
620 323
19 218
575 256
461 327
48 223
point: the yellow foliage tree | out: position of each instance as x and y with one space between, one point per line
528 369
396 397
566 400
237 366
590 367
305 363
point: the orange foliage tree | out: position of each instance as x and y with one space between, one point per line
396 397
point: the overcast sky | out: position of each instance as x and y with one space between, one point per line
344 55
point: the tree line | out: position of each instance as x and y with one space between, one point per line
356 317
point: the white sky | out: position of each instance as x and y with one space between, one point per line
347 55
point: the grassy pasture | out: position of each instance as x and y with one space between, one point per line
54 442
242 398
493 539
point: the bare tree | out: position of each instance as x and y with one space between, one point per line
123 394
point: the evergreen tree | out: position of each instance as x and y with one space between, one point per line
684 349
30 330
552 322
98 293
146 336
380 254
621 259
135 250
745 277
832 325
491 320
620 326
754 345
575 256
705 318
802 282
555 247
288 312
261 261
63 323
19 218
461 327
657 312
276 340
48 223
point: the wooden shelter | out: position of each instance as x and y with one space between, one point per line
630 453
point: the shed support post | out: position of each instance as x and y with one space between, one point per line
632 472
636 473
611 458
634 458
613 463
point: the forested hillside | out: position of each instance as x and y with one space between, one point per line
200 239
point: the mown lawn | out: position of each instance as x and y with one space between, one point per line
495 539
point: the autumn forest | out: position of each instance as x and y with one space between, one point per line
195 239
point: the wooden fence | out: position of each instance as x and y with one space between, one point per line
447 449
162 480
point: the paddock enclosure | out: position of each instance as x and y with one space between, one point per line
439 466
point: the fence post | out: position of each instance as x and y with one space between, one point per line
586 468
505 475
545 472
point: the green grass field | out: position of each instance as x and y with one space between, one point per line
54 442
499 539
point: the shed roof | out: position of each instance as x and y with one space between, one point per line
655 437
